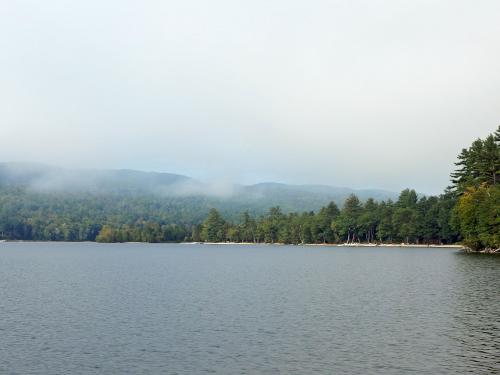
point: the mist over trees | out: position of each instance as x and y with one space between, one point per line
468 211
409 220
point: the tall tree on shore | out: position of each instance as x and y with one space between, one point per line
213 228
270 225
347 224
462 176
248 228
369 220
325 218
489 162
447 231
477 212
478 164
385 228
405 215
427 227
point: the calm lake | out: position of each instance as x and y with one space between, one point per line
83 308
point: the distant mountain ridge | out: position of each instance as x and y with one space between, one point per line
48 178
256 198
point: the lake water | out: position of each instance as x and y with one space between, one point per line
82 308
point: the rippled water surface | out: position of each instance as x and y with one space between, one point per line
192 309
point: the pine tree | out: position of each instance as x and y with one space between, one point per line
369 219
407 199
248 228
461 176
347 223
489 162
324 220
213 228
385 229
405 215
476 184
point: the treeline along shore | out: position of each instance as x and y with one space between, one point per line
467 212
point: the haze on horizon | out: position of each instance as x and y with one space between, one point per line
365 94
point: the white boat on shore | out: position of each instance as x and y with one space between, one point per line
359 244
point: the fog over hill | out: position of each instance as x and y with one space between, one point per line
39 178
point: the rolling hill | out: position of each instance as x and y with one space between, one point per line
257 198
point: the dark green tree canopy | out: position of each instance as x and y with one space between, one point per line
478 164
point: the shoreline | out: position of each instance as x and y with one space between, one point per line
460 247
451 246
329 245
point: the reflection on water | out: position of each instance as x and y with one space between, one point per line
476 315
189 309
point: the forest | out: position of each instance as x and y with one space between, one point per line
467 212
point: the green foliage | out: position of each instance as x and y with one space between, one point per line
405 218
478 164
385 229
478 213
347 223
323 223
408 220
214 227
27 215
107 234
369 220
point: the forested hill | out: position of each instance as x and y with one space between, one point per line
171 190
49 179
42 202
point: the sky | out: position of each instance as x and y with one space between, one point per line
364 94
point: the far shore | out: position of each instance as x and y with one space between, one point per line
329 244
453 246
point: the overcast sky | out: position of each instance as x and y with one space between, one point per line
350 93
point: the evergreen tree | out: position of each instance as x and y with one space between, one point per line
347 223
489 162
462 176
385 229
476 214
248 228
405 216
196 233
407 199
369 220
324 220
447 233
427 227
213 228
